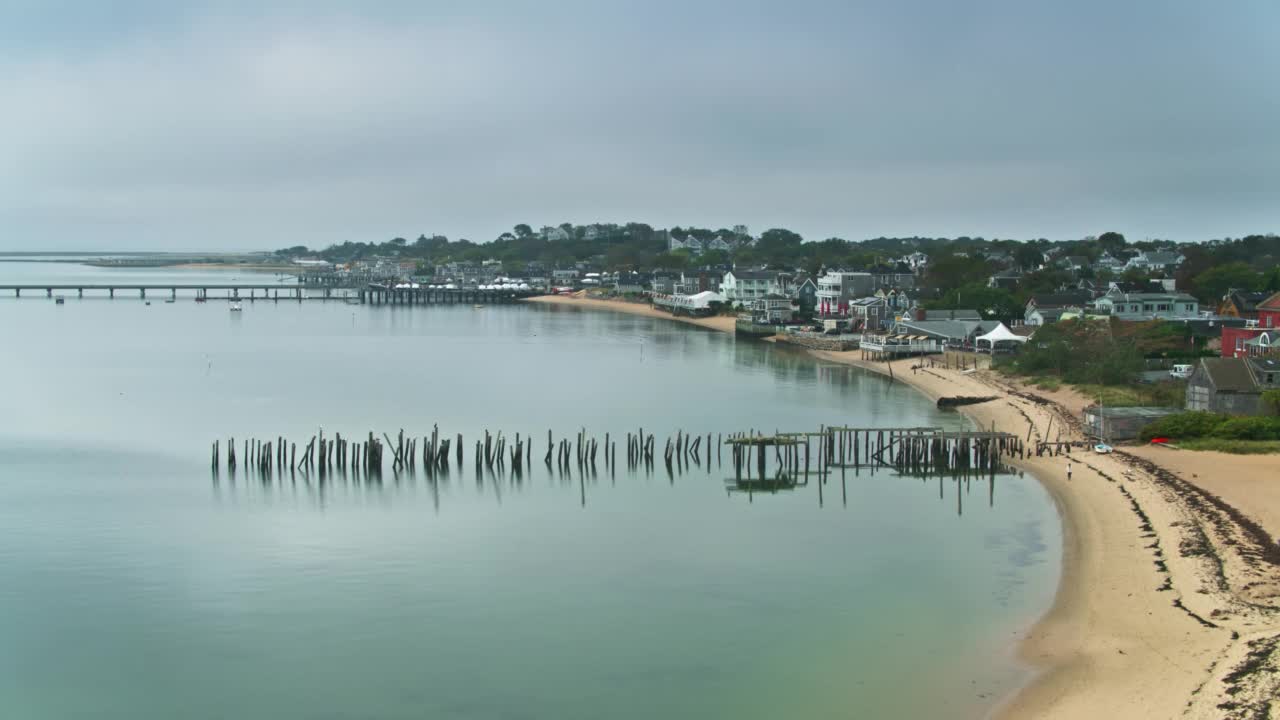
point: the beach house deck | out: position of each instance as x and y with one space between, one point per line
886 346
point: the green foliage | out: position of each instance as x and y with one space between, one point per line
1237 447
992 303
1079 352
1112 242
1194 425
1271 401
1212 284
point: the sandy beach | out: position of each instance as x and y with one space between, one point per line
1169 604
722 323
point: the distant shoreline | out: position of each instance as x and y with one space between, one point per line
1143 623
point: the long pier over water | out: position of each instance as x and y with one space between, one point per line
374 293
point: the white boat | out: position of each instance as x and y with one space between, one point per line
235 306
1102 448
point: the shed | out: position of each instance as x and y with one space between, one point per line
1122 423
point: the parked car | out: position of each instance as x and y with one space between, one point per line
1181 371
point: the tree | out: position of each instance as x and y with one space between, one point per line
1212 284
523 230
1111 242
674 260
1028 257
991 303
779 245
714 257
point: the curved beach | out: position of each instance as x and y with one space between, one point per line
1169 603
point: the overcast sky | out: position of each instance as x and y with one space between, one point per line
233 125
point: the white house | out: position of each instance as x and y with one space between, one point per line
746 286
1148 306
1155 260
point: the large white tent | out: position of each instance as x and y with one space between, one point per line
999 334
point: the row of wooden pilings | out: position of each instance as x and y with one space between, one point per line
908 450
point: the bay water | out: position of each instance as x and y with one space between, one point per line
134 583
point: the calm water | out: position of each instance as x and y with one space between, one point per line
134 586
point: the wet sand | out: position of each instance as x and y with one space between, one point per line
722 323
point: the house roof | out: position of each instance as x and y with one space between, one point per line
952 315
950 329
754 274
1062 299
1151 296
1264 364
1247 301
1229 374
1160 258
1271 303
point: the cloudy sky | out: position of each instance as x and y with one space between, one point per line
158 124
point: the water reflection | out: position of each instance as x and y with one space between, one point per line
344 485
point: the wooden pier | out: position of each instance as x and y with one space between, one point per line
375 293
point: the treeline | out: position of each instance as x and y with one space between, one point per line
1086 352
957 274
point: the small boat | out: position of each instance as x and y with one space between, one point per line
235 306
59 300
148 303
477 306
170 301
200 299
1103 448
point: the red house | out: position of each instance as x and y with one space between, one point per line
1235 341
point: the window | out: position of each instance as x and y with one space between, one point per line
1162 308
1239 344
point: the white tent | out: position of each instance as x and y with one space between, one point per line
999 334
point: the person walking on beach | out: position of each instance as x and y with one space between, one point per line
1068 471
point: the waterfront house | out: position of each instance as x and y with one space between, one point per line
1232 385
742 287
837 288
870 314
772 310
1147 305
564 278
663 282
804 292
629 283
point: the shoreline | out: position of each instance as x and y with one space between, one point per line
720 323
1169 600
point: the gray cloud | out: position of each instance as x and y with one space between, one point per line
215 125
